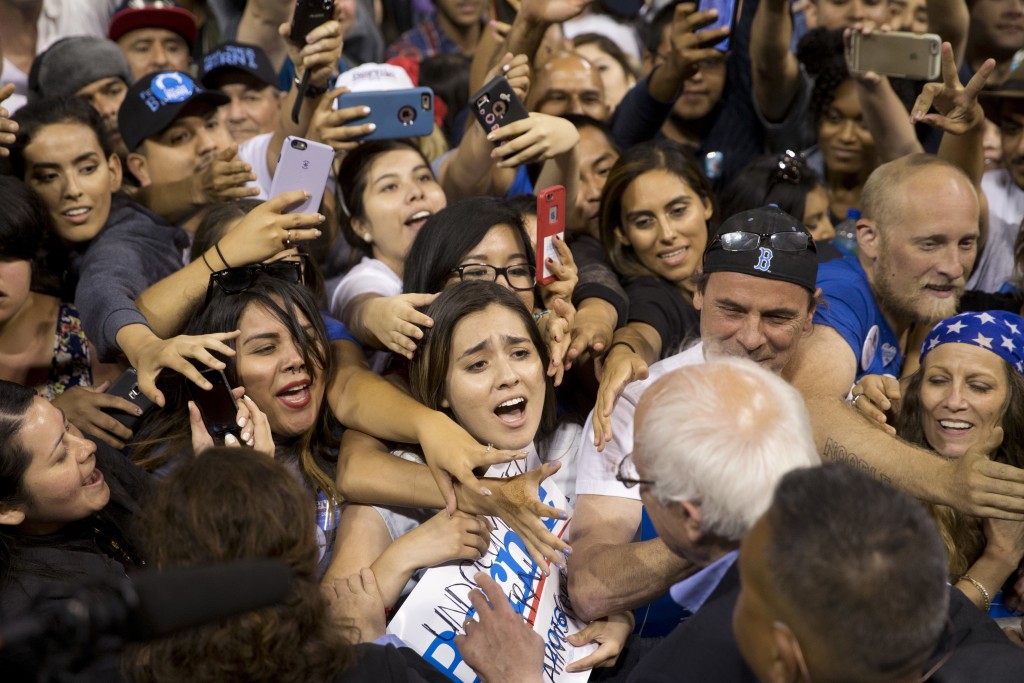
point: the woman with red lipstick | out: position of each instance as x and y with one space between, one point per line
969 386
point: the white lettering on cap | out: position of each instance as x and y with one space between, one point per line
171 87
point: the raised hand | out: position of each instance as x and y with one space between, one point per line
956 104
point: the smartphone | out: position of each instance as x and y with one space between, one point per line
303 165
550 222
405 113
915 56
497 105
127 387
217 406
308 15
728 15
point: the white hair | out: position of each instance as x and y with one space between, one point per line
721 435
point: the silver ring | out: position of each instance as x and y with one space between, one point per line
288 239
853 402
490 447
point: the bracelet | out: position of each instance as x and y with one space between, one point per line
540 314
311 91
977 584
621 343
207 262
216 245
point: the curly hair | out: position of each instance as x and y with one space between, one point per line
205 514
821 53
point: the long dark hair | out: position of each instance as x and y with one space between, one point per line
166 433
428 371
234 504
635 162
27 234
781 179
963 535
452 233
15 401
48 111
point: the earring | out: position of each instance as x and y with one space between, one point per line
368 238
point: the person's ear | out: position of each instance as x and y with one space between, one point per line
869 238
139 167
620 235
808 325
11 515
693 517
445 403
698 300
811 15
362 230
116 174
788 664
709 209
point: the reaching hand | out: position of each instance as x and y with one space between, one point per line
516 501
957 105
610 633
267 229
395 321
873 396
452 455
444 538
565 272
155 354
537 138
690 48
516 70
621 365
977 486
556 329
256 432
319 55
356 600
591 331
500 646
225 179
84 408
331 126
8 128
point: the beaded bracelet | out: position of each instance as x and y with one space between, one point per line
977 584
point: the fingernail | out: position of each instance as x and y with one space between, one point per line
373 126
241 421
568 550
230 440
138 410
246 436
366 111
562 515
484 491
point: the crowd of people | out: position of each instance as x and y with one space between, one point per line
774 364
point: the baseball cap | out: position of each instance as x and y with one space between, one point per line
1012 88
767 243
232 56
72 63
135 14
156 100
375 77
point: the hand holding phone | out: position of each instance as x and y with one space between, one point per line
303 165
550 222
308 15
127 387
896 53
396 114
217 406
496 105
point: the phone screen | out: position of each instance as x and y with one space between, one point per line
217 405
727 9
550 222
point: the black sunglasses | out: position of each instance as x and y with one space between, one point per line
241 278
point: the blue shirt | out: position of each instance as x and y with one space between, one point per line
692 592
851 310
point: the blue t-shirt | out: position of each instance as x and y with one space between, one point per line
850 309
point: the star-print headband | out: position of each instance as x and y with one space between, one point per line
1000 332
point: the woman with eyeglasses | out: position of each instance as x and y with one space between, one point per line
483 362
966 389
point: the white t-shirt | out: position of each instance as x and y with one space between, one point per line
254 152
1005 210
63 18
595 471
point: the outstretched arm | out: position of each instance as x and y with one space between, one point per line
776 71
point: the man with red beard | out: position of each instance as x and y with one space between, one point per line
917 241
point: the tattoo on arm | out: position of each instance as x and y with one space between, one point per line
836 452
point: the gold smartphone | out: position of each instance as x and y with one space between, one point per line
916 56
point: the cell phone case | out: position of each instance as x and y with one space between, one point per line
407 113
550 222
308 15
728 15
897 53
217 406
303 165
497 105
127 387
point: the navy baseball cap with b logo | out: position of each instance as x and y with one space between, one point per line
765 242
156 101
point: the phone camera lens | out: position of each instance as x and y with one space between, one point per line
298 144
406 115
425 102
499 109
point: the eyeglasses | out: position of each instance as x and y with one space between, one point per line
241 278
791 167
624 470
751 241
520 277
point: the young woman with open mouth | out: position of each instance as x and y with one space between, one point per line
969 386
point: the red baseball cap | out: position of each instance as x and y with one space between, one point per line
135 14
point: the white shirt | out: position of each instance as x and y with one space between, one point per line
254 152
1005 209
595 471
63 18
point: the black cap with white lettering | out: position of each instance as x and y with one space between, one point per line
765 242
237 57
156 100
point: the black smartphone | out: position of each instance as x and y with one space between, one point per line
308 15
127 387
217 406
497 105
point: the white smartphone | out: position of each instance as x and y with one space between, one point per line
303 165
917 56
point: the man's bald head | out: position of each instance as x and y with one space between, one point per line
568 84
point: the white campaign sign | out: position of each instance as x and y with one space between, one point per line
434 612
